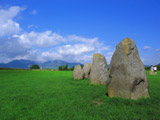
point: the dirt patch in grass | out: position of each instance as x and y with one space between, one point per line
97 101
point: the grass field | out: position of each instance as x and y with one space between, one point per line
54 95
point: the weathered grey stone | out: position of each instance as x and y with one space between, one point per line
99 71
127 78
78 73
86 70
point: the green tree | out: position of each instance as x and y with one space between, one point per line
72 68
63 68
148 68
82 65
35 66
60 68
66 67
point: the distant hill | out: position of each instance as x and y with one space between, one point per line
147 65
54 64
158 65
25 64
18 64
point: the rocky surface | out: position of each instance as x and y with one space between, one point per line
127 78
78 73
86 70
99 71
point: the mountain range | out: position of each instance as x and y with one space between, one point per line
25 64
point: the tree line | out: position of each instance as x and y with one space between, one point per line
149 67
65 67
61 67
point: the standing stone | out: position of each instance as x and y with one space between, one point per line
86 70
78 73
99 71
127 78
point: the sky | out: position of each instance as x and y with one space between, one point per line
73 30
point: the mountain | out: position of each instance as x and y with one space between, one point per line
25 64
18 64
54 64
158 65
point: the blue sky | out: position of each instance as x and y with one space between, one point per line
72 30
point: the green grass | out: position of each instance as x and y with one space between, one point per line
54 95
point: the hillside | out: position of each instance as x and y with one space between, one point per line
25 64
18 64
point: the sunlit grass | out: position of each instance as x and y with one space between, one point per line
52 95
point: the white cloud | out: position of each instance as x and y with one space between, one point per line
75 38
108 56
11 47
110 53
22 47
48 45
5 59
42 46
158 50
40 39
68 46
33 12
31 26
49 38
75 49
7 24
146 47
52 55
82 59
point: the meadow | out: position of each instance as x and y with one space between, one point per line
54 95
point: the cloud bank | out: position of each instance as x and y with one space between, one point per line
42 46
8 26
146 47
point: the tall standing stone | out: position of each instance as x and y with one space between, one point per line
127 78
99 71
78 73
86 70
